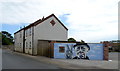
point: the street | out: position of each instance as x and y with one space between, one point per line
15 61
0 59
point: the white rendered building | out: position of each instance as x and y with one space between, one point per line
49 28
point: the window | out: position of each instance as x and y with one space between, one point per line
20 45
30 44
30 31
61 49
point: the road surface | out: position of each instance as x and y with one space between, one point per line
12 60
15 61
0 59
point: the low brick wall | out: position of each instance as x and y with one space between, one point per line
106 51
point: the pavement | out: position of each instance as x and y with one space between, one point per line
112 63
78 64
92 64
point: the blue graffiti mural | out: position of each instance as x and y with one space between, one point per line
91 51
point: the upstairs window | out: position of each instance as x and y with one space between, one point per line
30 44
30 31
20 45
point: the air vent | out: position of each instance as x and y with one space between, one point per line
52 22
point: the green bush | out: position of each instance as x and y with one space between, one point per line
7 39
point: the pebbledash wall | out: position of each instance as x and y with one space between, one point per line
72 50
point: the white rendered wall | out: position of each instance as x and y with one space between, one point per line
45 31
19 41
28 39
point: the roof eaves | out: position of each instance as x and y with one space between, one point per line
40 21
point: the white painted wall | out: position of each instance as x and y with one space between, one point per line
43 31
46 31
28 40
19 41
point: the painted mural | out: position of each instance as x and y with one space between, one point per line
90 51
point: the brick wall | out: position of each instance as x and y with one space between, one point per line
106 51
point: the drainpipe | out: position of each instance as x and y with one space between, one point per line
33 40
24 40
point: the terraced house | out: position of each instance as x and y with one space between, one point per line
49 28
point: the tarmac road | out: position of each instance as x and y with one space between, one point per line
15 61
0 59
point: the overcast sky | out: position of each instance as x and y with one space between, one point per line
88 20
